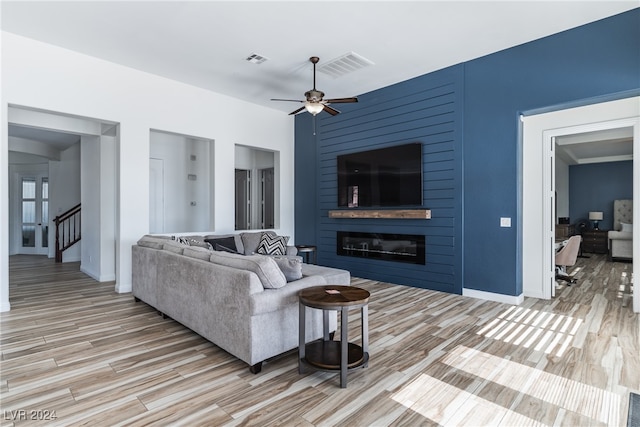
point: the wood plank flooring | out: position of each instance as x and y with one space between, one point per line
74 349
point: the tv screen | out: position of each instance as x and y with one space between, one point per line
386 177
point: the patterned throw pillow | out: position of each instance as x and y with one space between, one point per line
193 242
272 245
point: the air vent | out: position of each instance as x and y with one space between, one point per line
256 59
345 64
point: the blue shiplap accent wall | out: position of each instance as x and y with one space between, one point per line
427 110
472 160
594 187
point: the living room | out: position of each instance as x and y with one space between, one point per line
466 114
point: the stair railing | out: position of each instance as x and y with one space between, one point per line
67 230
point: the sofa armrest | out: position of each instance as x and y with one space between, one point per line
292 251
274 299
620 235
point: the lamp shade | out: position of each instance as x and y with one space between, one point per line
313 107
595 216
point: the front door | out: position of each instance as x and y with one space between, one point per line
34 214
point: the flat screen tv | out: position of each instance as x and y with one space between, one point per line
386 177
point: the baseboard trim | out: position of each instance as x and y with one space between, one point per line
491 296
5 306
123 288
99 278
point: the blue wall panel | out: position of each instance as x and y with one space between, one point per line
594 187
428 110
467 118
586 62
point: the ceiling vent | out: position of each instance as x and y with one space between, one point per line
254 58
345 64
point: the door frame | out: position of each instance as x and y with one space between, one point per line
538 229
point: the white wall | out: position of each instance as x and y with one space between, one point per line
64 193
43 76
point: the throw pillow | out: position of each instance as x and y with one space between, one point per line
291 267
227 244
273 245
627 228
189 241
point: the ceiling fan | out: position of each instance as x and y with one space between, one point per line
314 103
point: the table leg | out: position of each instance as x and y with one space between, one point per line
344 346
301 337
325 325
365 332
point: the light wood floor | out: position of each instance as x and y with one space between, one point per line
75 348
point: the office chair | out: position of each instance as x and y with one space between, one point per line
566 257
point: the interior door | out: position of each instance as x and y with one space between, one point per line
268 198
243 199
34 214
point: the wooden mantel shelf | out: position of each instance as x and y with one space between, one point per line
383 213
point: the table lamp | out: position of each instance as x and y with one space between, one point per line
596 217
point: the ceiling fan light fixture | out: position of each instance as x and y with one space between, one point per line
313 107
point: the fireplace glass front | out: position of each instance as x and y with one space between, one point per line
409 248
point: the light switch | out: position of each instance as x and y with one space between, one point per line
505 222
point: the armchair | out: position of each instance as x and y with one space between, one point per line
621 237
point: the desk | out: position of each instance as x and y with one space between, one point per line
308 250
326 354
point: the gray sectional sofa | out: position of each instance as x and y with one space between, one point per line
242 303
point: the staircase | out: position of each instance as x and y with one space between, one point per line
67 230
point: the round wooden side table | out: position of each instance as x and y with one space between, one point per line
326 354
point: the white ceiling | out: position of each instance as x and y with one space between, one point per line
206 43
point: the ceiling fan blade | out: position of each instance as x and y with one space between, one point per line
342 100
287 100
330 110
297 111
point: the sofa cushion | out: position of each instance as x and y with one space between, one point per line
291 266
626 228
173 246
197 253
333 276
272 245
264 267
153 242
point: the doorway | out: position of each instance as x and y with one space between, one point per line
538 191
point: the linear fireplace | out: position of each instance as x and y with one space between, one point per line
408 248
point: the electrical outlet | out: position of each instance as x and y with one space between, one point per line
505 222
